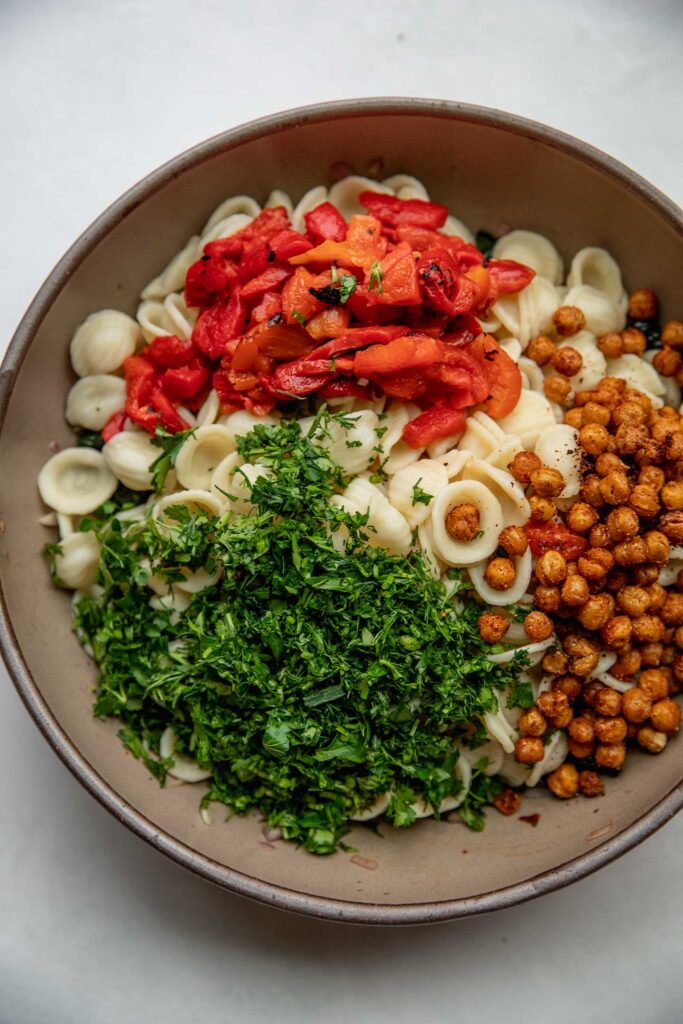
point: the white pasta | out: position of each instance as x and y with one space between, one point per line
594 365
102 342
482 436
314 197
454 226
463 773
534 250
454 462
598 269
238 424
491 522
76 565
279 198
241 484
354 449
534 651
529 312
235 204
602 313
503 454
195 582
499 729
386 527
558 448
512 347
377 807
427 475
181 316
555 754
523 569
344 194
491 751
172 277
442 446
154 319
195 500
638 374
533 377
76 481
504 487
210 409
93 400
221 478
224 229
531 416
405 186
182 767
129 454
200 455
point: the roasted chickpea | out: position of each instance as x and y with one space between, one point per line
507 802
581 517
607 702
652 740
611 345
590 491
622 523
616 580
551 568
590 784
608 463
542 510
591 412
666 716
645 575
596 611
633 600
523 465
555 662
654 682
658 596
552 702
634 341
673 446
584 654
538 627
462 522
647 629
593 438
610 755
582 730
513 541
652 654
671 495
626 665
532 723
630 552
617 632
610 390
547 483
635 705
668 362
568 321
567 361
611 730
562 719
653 477
556 388
529 750
570 686
662 427
564 782
492 627
671 612
643 304
628 412
575 591
500 573
671 524
573 418
548 599
672 334
658 547
600 537
630 438
595 563
580 751
541 349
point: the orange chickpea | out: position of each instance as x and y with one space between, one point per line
529 750
666 716
636 705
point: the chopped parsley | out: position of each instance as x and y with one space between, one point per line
170 445
347 286
299 317
419 496
375 278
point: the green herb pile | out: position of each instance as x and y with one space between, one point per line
315 676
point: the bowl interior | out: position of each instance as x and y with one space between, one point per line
489 173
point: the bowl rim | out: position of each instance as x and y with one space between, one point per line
229 878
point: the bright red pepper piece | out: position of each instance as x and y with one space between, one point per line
444 288
271 278
168 416
140 380
407 353
324 222
509 276
168 351
220 324
359 337
182 382
554 536
435 423
114 425
398 283
393 211
502 375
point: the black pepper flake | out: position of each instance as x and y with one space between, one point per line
271 256
276 318
205 258
329 295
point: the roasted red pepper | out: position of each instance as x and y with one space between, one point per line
182 382
432 425
219 325
140 377
509 276
502 375
444 287
407 353
555 536
114 425
325 221
394 212
271 278
168 351
394 281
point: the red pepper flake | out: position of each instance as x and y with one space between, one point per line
530 819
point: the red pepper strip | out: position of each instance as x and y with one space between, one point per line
265 282
114 425
269 306
325 221
344 389
288 243
364 246
268 223
466 358
298 304
510 276
394 212
463 329
433 424
364 309
169 351
407 353
358 337
444 288
220 324
329 323
208 280
503 378
225 391
140 380
292 379
182 382
169 418
280 341
409 384
398 284
254 260
555 536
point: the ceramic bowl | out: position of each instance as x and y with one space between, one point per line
490 168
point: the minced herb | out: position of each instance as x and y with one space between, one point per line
316 675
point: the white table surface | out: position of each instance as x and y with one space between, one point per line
94 925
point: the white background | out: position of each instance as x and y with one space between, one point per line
95 926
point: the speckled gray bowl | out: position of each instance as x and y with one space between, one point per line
488 166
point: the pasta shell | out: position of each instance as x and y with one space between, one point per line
354 449
239 491
463 773
154 319
523 567
79 560
405 186
602 313
240 423
76 481
129 454
533 250
529 312
377 807
638 374
429 476
193 500
224 228
508 492
556 751
314 197
102 342
599 270
530 417
386 527
172 277
93 400
279 198
344 194
221 478
491 521
558 448
234 204
455 227
200 455
182 317
210 409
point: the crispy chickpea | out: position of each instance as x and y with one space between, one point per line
666 716
663 426
564 782
573 418
658 547
462 522
562 719
551 568
556 388
523 465
552 702
581 517
582 730
532 723
570 686
678 637
555 662
658 596
671 524
610 755
513 541
568 321
671 612
636 705
542 510
541 349
611 345
567 361
529 750
590 784
610 390
643 304
538 627
584 654
616 580
575 591
671 495
607 463
626 665
628 412
652 655
633 600
654 682
595 563
647 629
673 446
652 476
611 730
617 632
594 413
668 362
581 751
596 611
630 437
672 333
607 702
593 438
507 802
590 491
622 523
634 341
645 575
500 573
600 537
492 627
652 740
547 483
677 671
630 552
548 599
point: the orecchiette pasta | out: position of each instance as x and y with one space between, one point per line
530 311
182 767
386 527
344 194
102 342
558 448
404 186
602 313
172 277
504 487
195 500
520 586
235 204
76 481
638 374
93 400
77 563
531 416
597 268
201 454
491 521
314 197
532 249
129 455
594 366
412 489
